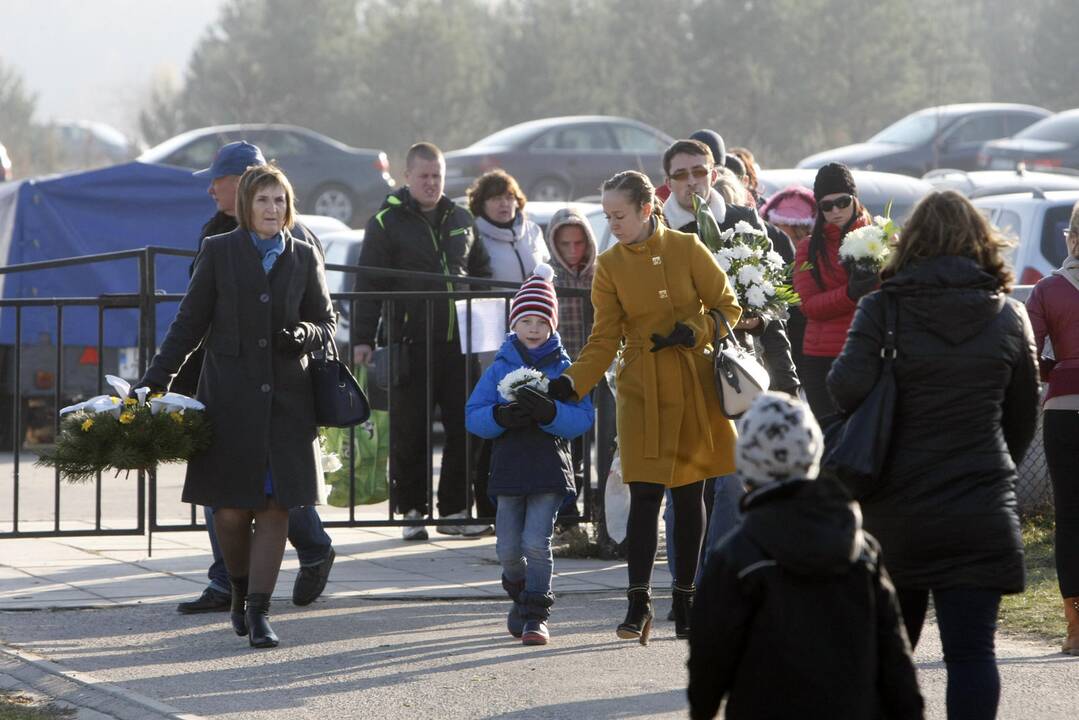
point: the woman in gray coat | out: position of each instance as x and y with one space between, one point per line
258 302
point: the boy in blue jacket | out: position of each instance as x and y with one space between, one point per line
531 463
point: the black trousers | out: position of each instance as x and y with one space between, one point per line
813 373
451 383
642 530
1060 433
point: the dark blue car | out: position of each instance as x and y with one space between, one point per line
1046 145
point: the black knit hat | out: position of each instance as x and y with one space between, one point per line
833 178
714 142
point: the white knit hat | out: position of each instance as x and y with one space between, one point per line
778 439
536 297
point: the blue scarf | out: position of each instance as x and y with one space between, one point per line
553 343
269 249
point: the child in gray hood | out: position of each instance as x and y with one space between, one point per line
573 251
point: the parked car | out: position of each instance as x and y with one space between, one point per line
1049 143
1037 221
561 158
979 183
948 136
5 165
875 189
329 177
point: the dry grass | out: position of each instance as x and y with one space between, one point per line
17 706
1038 610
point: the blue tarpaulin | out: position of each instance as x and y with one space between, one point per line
123 207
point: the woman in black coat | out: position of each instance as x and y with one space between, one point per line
944 510
260 299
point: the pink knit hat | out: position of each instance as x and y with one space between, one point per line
536 297
793 205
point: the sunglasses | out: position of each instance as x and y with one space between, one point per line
697 172
842 202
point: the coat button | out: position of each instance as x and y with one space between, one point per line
262 342
264 297
662 294
265 387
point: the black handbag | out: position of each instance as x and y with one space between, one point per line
339 399
856 445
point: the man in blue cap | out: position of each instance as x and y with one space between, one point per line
305 531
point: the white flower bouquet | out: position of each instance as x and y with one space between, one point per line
868 248
758 273
519 378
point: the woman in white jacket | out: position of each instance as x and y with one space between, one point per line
514 242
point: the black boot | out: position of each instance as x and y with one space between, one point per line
258 621
682 605
536 610
638 622
514 623
239 597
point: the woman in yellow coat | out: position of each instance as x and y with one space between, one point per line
652 293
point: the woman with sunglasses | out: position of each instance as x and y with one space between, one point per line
829 292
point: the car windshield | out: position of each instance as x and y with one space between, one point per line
1058 128
911 130
508 138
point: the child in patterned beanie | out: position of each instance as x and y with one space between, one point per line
795 612
531 465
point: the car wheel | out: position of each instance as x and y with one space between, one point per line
335 201
549 190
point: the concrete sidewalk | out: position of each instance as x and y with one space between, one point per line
404 630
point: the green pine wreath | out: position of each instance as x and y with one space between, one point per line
137 439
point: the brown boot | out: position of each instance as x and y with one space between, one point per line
1071 612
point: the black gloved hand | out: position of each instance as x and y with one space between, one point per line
681 335
512 415
540 407
291 341
561 388
155 389
861 282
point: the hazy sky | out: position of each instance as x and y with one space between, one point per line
97 59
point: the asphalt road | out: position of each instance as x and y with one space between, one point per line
440 659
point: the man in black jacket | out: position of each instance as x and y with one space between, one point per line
798 570
305 532
418 228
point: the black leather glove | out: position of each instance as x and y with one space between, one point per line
540 407
291 341
512 415
155 389
861 282
561 388
681 335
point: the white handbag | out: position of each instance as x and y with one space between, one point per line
740 378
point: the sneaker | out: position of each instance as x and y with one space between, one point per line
210 601
311 581
414 532
535 633
471 531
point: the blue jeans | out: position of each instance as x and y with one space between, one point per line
305 532
524 525
724 517
967 619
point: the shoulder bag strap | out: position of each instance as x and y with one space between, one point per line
721 323
889 351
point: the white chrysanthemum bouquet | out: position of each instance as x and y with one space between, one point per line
758 273
519 378
868 248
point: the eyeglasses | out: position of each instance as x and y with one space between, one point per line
697 172
842 202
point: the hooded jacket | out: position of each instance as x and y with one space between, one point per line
944 509
574 313
515 251
800 567
534 459
400 237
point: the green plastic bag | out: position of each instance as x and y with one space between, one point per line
370 456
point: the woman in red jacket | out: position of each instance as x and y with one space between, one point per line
1054 313
829 292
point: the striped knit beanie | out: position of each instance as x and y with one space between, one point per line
536 297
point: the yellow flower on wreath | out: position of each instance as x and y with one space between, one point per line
87 424
130 401
177 417
127 417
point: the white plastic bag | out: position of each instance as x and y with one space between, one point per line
616 501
